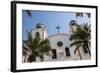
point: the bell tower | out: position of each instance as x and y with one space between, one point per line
40 28
73 26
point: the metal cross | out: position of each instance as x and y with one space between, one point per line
58 27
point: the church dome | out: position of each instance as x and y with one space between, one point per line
73 22
40 25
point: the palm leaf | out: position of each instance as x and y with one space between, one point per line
44 46
38 46
31 58
89 15
75 43
29 13
79 14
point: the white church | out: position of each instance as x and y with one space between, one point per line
60 44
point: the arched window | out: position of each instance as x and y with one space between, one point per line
67 51
54 54
37 35
39 27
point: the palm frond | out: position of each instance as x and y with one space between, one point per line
29 13
81 36
44 46
75 43
79 14
41 57
81 33
31 58
89 15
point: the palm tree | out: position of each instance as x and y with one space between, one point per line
81 38
81 14
38 47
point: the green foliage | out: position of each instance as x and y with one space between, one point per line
38 47
81 37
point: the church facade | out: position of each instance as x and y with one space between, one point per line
60 44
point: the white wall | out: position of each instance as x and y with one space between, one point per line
5 37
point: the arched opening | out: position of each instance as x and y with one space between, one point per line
67 51
37 36
39 27
54 54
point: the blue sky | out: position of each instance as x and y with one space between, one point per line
50 20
